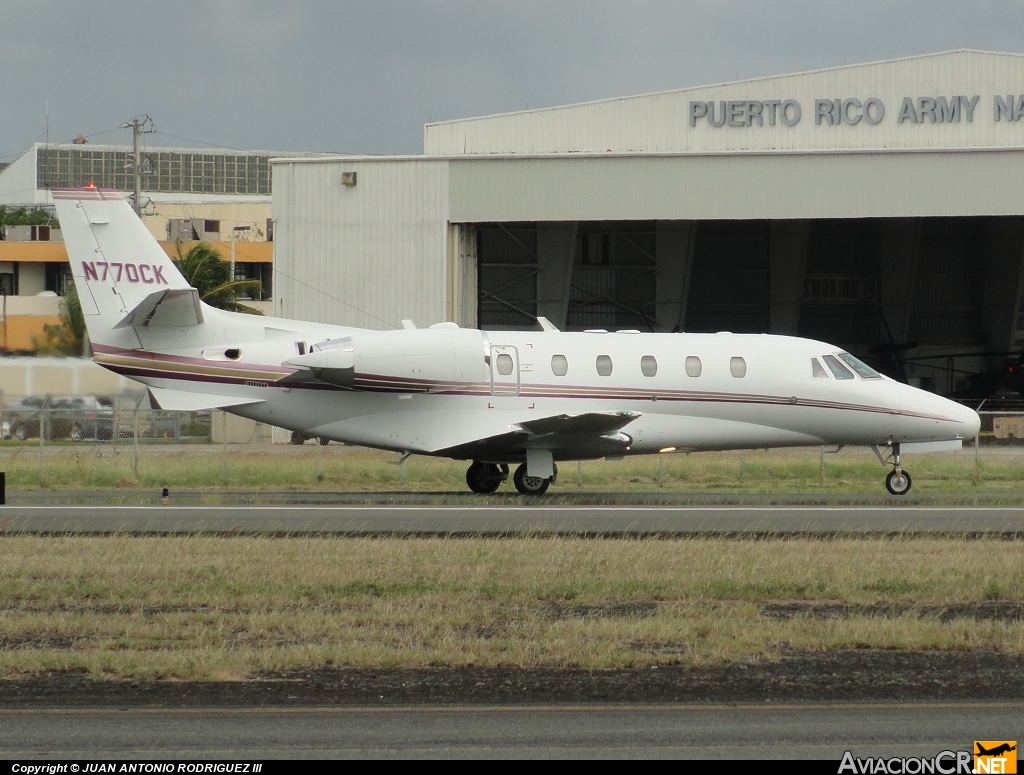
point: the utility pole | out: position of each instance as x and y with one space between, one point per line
138 125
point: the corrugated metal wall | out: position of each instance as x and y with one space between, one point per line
822 185
660 123
364 255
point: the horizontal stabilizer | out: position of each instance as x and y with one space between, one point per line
187 401
169 308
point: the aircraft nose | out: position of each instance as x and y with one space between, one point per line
970 421
965 421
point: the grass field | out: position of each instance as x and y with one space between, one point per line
204 607
228 608
991 472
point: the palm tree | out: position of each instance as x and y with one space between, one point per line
205 271
68 337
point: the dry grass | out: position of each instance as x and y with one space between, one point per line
222 608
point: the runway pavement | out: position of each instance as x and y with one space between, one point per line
821 732
466 520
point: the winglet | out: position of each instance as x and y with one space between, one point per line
546 324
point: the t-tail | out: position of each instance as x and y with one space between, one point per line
122 275
144 320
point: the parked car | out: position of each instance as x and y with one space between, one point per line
22 419
298 437
59 417
178 425
83 417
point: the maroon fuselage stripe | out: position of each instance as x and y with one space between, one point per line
176 367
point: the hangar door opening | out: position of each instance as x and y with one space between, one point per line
579 275
928 300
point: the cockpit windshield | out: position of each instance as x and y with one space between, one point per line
839 371
863 370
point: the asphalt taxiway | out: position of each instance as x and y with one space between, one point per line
504 520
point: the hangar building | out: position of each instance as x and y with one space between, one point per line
878 207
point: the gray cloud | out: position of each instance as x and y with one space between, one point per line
364 77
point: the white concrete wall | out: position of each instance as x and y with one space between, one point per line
665 123
23 376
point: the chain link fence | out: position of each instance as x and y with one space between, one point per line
1002 422
93 418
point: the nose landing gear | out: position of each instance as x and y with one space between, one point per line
898 481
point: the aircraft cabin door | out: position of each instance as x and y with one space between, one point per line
504 370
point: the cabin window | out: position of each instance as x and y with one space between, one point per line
817 370
839 371
649 365
604 365
693 366
504 364
863 370
738 366
559 365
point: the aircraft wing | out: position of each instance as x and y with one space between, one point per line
592 434
591 422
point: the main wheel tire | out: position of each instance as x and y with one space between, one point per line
530 485
324 441
898 484
76 433
20 432
484 478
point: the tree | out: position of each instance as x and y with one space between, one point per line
25 216
205 271
68 337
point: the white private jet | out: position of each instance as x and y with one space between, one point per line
494 398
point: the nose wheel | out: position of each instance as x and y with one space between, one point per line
898 481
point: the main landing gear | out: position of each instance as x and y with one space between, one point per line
530 485
898 481
484 478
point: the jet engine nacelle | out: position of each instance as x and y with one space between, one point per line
407 361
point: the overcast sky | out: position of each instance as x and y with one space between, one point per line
365 76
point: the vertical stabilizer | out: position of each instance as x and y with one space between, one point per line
117 264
